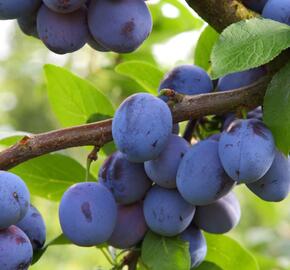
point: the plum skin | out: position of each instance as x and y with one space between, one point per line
246 150
201 178
14 201
274 186
141 127
34 227
15 249
130 227
166 212
163 170
88 214
126 180
219 217
197 245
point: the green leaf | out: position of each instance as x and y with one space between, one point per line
60 240
51 175
73 99
228 254
204 47
10 138
208 266
147 75
277 108
160 252
248 44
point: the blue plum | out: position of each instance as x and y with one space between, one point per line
130 228
201 178
13 9
275 184
187 79
61 6
256 5
126 180
34 227
88 214
15 249
240 79
277 10
246 150
197 245
62 33
166 212
219 217
130 26
163 169
14 199
141 127
96 45
27 25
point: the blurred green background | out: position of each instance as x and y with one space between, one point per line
24 106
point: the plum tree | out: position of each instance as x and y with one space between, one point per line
256 5
277 10
240 79
141 127
274 185
246 150
163 170
14 199
126 180
62 33
220 216
166 212
201 178
130 227
197 245
64 6
131 25
187 79
15 249
34 227
14 9
88 214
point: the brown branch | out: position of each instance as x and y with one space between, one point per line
97 134
221 13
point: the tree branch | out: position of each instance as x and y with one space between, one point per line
98 134
221 13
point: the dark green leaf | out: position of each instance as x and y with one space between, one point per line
277 108
208 266
168 253
248 44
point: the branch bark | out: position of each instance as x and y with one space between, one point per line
221 13
98 134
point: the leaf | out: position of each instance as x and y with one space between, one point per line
60 240
208 266
228 254
277 108
50 175
10 138
204 47
73 99
248 44
147 75
168 253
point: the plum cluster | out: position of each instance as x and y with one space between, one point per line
160 182
277 10
66 26
22 228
